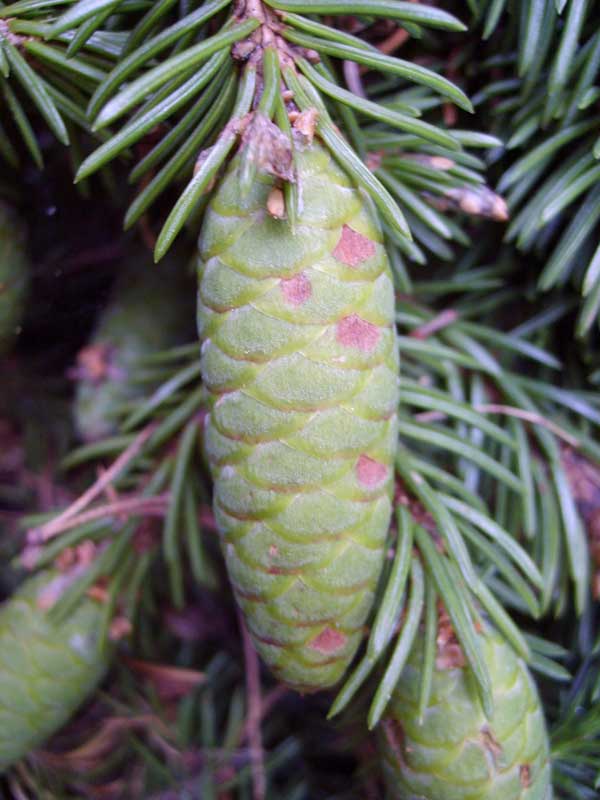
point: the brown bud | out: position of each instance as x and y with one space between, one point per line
478 201
306 123
93 362
120 627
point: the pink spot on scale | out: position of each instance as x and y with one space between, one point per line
370 473
353 331
328 641
296 290
353 248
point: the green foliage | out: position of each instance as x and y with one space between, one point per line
541 98
494 392
53 79
576 733
178 92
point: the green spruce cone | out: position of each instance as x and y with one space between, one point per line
150 309
300 360
47 670
14 276
457 753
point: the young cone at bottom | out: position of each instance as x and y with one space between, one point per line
457 753
47 670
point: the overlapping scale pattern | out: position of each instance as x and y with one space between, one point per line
300 361
46 670
457 753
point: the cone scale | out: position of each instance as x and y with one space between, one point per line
456 753
301 366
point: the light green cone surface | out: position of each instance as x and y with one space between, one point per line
14 277
150 309
46 670
457 753
300 361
